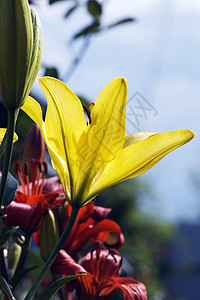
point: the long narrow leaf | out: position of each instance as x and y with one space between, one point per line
6 289
4 237
55 286
120 22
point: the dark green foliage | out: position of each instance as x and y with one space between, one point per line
6 235
123 21
71 10
6 288
10 191
91 29
94 8
51 71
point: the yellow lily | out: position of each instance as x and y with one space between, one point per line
90 158
2 133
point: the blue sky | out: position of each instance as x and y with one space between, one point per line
159 55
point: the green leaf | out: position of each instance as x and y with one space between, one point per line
5 236
3 145
120 22
52 1
93 28
94 8
71 10
51 71
49 292
6 289
83 100
10 190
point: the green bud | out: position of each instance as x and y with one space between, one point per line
20 51
48 235
14 253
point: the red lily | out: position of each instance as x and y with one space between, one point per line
102 280
91 224
32 198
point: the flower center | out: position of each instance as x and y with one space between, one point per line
38 174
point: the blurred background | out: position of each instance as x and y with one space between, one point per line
155 45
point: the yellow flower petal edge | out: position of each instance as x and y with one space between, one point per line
138 157
105 136
65 121
34 111
2 133
91 157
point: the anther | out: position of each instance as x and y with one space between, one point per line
18 166
88 113
26 167
39 166
45 167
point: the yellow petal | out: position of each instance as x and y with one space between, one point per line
2 133
137 158
64 123
32 108
136 137
105 136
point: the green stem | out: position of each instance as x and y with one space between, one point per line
23 256
68 228
3 269
12 118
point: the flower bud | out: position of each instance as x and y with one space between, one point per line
34 146
20 51
48 235
14 253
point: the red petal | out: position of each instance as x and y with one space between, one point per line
23 215
20 196
100 213
46 200
102 264
132 289
96 230
52 184
65 265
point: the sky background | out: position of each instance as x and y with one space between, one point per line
159 56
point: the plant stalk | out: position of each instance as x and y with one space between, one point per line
68 228
12 118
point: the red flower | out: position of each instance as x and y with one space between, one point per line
102 280
32 198
91 225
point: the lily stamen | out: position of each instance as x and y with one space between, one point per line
38 171
34 170
20 174
26 167
88 113
38 176
45 167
